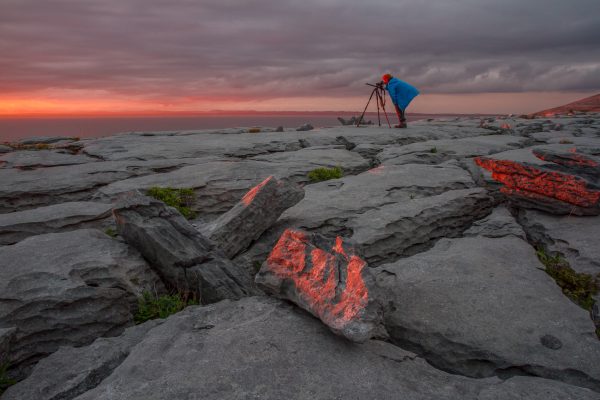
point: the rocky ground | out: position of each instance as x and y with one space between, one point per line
455 259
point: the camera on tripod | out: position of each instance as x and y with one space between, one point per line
379 92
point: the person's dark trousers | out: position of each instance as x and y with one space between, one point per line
400 113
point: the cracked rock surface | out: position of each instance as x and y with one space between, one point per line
462 304
263 348
458 306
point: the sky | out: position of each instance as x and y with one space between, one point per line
465 56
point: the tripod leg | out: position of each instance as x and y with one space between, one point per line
365 110
378 104
386 117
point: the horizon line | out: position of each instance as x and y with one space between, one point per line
85 114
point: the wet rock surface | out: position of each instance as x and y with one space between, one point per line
457 303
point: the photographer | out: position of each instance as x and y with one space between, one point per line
402 94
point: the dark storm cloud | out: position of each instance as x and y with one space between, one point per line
261 49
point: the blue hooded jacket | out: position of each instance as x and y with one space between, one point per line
401 92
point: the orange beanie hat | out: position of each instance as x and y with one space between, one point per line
386 78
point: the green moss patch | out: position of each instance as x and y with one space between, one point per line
152 306
325 174
578 287
5 381
181 199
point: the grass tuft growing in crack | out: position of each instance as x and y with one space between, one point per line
5 381
325 174
181 199
152 306
579 287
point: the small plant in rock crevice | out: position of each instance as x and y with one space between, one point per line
5 381
325 174
181 199
433 150
110 232
579 287
153 306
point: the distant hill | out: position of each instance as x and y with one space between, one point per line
589 104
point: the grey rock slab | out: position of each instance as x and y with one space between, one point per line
219 185
254 214
29 159
71 371
45 186
263 348
68 289
498 224
5 149
401 229
338 207
484 306
576 238
521 387
44 139
19 225
181 255
351 162
437 151
148 146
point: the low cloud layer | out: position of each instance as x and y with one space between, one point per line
257 49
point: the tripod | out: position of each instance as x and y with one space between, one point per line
379 93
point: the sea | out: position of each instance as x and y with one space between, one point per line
15 128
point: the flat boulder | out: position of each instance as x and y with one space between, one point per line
179 253
261 348
438 151
62 217
24 189
483 306
328 280
254 214
68 288
30 159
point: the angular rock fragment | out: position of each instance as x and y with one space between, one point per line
254 214
5 149
68 289
181 255
331 283
570 187
62 217
498 224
